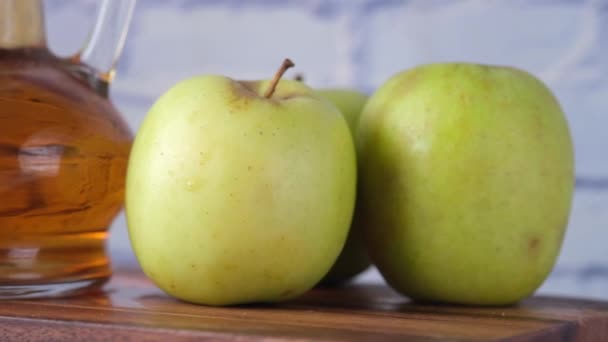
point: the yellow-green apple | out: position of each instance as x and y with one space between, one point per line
353 259
240 191
350 102
466 176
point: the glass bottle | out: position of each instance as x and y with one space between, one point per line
63 153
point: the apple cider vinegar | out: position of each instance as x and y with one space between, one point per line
63 159
63 153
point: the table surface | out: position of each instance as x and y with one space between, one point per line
130 307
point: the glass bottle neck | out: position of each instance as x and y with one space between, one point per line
21 24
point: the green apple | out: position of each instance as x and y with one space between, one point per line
466 180
350 103
240 191
353 259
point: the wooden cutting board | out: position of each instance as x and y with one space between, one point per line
130 308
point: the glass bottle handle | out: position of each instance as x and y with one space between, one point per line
106 40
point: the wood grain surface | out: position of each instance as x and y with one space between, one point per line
131 308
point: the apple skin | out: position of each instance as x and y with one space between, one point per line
350 103
466 177
233 198
353 259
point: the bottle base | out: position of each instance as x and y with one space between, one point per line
55 290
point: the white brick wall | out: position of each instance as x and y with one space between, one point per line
360 44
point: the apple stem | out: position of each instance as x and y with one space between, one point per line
287 63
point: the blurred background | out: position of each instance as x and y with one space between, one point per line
359 44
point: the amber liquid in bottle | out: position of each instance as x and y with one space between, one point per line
63 159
